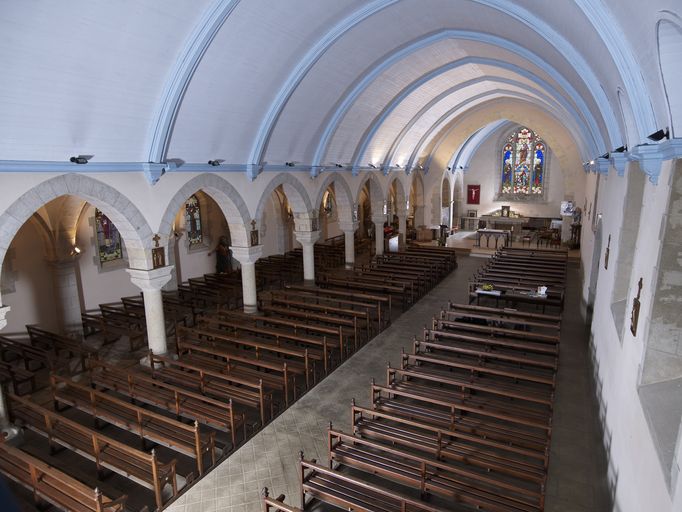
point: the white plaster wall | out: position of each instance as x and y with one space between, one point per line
484 170
99 286
32 302
635 470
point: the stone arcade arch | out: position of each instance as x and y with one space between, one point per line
131 224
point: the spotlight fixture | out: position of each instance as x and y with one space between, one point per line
605 155
659 135
621 149
340 166
449 168
290 164
397 166
80 159
372 165
214 163
75 251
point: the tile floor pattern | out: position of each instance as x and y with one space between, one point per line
577 482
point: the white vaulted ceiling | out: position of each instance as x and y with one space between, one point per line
317 82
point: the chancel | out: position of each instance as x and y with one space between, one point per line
372 255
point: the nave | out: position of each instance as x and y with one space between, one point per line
270 459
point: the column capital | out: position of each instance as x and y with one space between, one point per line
150 280
307 237
379 219
247 254
349 226
3 312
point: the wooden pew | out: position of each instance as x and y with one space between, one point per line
23 381
382 302
239 329
464 483
174 399
11 349
276 504
148 425
522 429
350 493
530 320
347 282
61 345
116 326
48 484
274 374
300 361
247 392
452 445
107 453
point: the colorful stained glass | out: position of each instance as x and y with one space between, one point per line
108 239
193 221
523 164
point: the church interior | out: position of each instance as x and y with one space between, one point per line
370 255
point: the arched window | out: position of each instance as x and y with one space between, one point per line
108 239
523 164
195 233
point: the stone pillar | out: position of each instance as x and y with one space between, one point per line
66 287
349 230
247 257
402 226
151 282
307 239
379 233
3 312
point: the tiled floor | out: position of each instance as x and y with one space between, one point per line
577 474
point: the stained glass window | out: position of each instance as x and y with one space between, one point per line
108 239
523 164
193 221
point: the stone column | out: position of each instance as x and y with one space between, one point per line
307 240
402 226
349 230
247 257
151 282
66 287
3 313
379 233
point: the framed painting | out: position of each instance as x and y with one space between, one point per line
473 194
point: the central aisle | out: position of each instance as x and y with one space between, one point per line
270 459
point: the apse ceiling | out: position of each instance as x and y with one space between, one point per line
258 84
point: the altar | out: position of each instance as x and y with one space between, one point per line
513 224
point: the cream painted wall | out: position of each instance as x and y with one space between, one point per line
635 471
32 302
195 261
99 285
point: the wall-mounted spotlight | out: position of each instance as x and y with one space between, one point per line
75 251
80 159
449 168
340 166
290 164
397 166
372 165
659 135
605 155
214 163
621 149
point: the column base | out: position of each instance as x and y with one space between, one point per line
350 265
250 309
310 283
145 360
